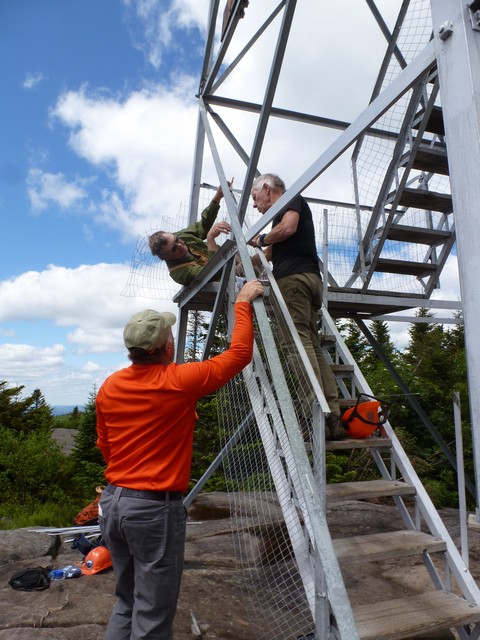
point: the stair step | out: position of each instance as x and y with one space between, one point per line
435 121
423 199
340 369
405 267
202 300
408 617
358 443
431 160
384 546
347 403
328 340
405 233
367 489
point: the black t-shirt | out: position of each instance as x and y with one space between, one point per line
297 254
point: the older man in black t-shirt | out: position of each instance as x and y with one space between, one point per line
290 245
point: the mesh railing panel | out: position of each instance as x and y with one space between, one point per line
271 538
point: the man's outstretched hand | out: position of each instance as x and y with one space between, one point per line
219 192
250 290
218 228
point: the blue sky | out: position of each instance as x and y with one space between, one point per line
53 47
66 207
98 132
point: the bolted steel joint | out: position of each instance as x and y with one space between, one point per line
476 20
445 30
474 7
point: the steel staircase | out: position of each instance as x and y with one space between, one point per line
420 156
453 602
424 536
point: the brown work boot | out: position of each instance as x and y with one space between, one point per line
334 429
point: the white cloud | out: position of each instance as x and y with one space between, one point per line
90 367
20 354
32 79
159 23
85 301
46 188
30 366
145 143
89 295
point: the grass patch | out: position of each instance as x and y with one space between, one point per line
49 514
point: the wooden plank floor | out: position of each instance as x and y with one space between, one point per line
411 617
367 489
358 443
384 546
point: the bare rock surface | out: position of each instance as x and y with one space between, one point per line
213 587
65 438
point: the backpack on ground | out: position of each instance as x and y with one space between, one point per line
36 579
84 544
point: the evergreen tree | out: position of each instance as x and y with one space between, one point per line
419 338
75 418
433 367
85 443
23 414
430 372
195 336
206 444
206 441
89 465
33 469
381 333
354 340
455 343
373 367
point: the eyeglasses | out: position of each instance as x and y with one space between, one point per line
174 246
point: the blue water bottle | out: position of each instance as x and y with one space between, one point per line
58 596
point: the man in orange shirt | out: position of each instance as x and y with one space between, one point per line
145 423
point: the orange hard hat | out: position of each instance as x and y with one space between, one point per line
98 559
362 420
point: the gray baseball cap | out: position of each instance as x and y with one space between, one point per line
148 329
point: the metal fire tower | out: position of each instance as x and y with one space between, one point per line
423 205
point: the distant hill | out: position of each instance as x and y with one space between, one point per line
62 409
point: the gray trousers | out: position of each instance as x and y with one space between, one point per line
146 539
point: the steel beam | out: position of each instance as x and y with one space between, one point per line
457 45
402 83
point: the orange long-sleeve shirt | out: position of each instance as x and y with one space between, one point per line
146 413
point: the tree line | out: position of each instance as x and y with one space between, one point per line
433 367
42 486
39 484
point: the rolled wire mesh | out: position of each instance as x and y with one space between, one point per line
148 276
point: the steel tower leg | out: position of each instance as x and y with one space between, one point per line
457 43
